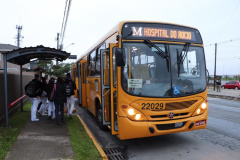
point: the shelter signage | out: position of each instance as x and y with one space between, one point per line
72 57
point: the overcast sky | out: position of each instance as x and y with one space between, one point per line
217 20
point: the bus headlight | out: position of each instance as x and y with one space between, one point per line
201 109
133 113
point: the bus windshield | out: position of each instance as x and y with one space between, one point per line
146 73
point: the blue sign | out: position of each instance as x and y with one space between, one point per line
176 90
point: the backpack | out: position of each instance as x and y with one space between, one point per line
68 89
31 89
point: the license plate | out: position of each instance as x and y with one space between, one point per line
199 123
153 106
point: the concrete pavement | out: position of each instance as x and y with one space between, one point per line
230 94
42 140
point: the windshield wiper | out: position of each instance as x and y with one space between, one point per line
182 56
160 52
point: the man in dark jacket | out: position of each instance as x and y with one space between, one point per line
218 83
35 97
70 87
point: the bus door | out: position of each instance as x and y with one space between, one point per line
79 84
84 81
108 88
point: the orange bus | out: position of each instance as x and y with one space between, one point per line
145 79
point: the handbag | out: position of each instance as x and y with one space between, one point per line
52 95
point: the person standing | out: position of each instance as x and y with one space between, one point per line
40 104
34 90
51 106
70 87
59 99
218 83
42 109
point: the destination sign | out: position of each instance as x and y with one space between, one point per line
160 31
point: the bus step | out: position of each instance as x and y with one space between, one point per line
114 154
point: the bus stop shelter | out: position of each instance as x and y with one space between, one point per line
23 56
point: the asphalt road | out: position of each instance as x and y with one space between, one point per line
221 139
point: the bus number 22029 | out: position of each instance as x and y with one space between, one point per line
153 106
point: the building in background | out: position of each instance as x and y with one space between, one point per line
10 67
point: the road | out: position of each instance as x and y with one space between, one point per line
221 139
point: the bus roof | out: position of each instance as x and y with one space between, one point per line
118 29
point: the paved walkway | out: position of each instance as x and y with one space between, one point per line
42 140
230 94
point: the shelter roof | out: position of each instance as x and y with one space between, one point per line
22 56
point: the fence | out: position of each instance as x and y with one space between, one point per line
13 80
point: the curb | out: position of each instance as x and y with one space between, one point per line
224 97
99 148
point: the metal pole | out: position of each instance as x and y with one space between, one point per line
5 89
57 46
215 66
21 87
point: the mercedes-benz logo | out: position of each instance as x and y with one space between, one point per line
171 115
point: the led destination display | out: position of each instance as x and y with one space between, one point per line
161 32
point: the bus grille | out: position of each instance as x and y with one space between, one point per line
179 105
175 115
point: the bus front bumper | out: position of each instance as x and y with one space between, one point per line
129 129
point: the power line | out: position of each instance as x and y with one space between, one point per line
229 19
224 59
64 23
231 40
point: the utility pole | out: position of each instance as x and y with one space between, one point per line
57 46
19 36
215 66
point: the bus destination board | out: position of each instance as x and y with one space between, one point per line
162 33
155 31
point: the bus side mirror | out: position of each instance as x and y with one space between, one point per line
120 57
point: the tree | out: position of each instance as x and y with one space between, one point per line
55 70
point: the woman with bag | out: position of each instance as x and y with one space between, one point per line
60 99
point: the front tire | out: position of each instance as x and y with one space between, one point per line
223 87
100 118
236 88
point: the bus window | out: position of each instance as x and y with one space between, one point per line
84 72
114 70
91 66
98 62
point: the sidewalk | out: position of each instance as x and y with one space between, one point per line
42 140
230 94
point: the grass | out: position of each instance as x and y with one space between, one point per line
81 143
9 135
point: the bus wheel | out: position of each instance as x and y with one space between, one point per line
100 118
